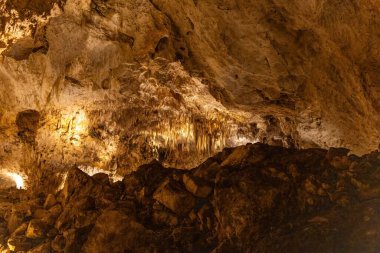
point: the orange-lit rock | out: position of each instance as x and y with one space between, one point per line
171 85
253 205
93 91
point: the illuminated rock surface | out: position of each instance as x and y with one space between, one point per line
263 199
118 83
106 86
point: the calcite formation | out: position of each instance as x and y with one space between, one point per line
257 198
256 114
118 83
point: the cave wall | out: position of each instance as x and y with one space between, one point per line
118 83
314 61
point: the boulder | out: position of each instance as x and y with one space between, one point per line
42 248
196 186
21 243
52 233
58 243
21 229
163 217
102 178
36 229
236 156
65 219
40 213
84 203
14 222
3 232
50 201
148 176
337 152
117 233
74 239
206 217
52 215
207 171
85 218
76 180
19 213
173 196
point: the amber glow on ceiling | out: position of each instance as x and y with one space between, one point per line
73 126
17 28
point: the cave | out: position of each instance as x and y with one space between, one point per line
190 126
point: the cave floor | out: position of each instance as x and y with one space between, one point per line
253 198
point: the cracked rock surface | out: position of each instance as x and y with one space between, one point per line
258 198
178 82
92 91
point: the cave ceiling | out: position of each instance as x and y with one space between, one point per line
114 84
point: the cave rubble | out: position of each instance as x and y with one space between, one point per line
189 126
273 200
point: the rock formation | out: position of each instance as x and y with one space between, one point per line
179 82
92 91
253 198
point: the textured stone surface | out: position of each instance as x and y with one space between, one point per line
300 73
289 200
91 89
174 196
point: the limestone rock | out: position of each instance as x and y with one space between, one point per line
174 197
208 171
236 156
3 232
164 217
42 248
116 229
58 243
53 214
36 229
14 221
74 238
75 181
101 177
20 243
196 186
258 197
27 123
179 88
50 201
20 230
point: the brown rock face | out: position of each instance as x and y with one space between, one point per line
116 232
173 196
312 58
28 123
36 229
91 90
196 186
158 80
288 200
35 6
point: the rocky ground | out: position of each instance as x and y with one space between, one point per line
253 198
112 84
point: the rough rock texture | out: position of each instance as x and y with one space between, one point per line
179 81
92 89
313 61
263 199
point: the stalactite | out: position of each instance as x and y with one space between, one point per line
191 134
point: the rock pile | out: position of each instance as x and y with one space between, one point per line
254 198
